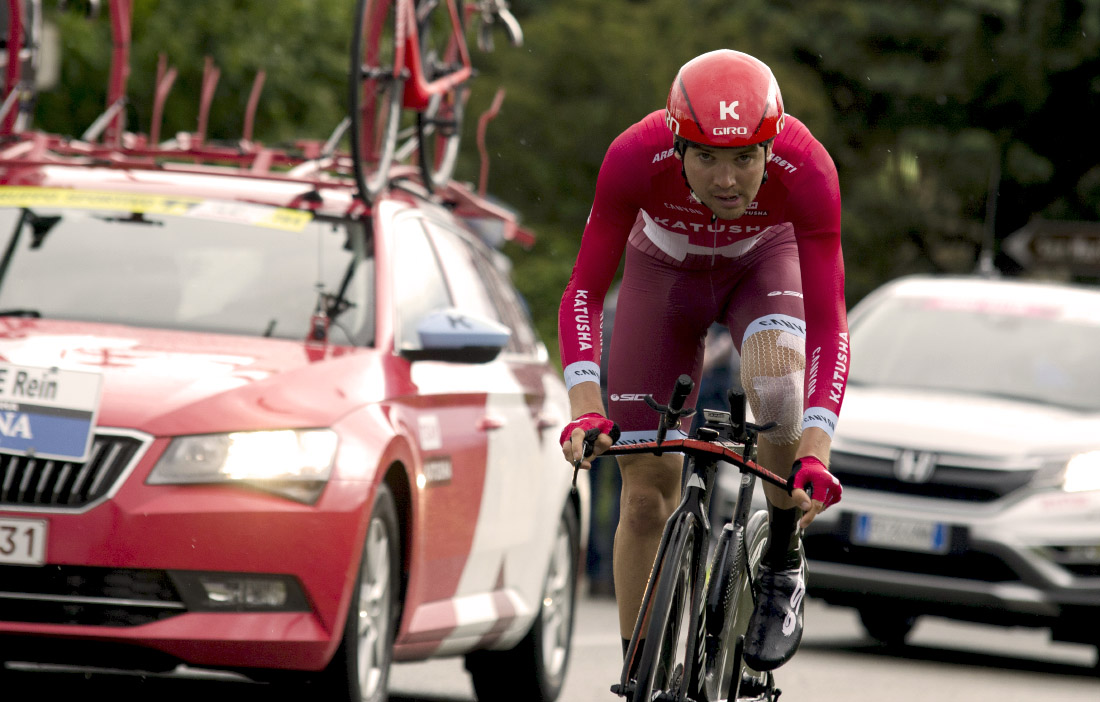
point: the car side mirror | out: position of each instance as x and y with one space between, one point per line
458 337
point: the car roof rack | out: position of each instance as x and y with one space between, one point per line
107 143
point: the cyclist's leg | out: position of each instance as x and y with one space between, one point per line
767 321
661 319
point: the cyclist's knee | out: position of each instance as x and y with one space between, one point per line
773 365
651 489
643 510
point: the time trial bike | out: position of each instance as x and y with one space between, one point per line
689 638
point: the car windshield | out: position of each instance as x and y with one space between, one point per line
204 266
1019 350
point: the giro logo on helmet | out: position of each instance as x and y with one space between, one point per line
738 131
726 111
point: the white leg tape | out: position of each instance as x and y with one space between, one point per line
773 368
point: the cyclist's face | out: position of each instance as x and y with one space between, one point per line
726 179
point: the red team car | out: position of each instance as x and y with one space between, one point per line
251 422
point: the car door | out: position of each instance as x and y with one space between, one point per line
530 459
480 544
442 415
514 520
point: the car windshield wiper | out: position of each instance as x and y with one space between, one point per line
22 312
40 227
132 218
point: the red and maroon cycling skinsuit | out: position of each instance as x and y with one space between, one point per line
684 273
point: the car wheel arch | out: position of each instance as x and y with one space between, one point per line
397 479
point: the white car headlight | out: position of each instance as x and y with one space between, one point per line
1083 472
293 463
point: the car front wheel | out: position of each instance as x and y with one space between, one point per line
360 669
535 668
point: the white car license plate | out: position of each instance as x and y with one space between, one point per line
23 541
895 532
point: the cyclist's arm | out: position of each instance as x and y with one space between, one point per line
814 211
586 397
580 317
615 207
817 229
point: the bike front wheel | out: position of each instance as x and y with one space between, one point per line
664 658
730 602
375 91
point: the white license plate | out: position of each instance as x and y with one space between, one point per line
895 532
23 541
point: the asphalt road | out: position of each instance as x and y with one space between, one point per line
944 661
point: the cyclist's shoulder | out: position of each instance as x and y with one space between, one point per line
797 145
800 161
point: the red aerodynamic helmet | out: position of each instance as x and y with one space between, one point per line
725 98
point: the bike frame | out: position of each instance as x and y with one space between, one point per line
419 90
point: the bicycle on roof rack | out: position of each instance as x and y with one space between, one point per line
322 163
411 55
688 640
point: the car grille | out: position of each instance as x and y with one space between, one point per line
30 481
86 595
950 481
964 564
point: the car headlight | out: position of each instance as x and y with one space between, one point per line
1083 472
292 463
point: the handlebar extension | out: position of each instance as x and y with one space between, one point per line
671 415
737 409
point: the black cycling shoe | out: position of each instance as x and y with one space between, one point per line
775 628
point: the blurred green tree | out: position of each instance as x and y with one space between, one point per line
302 45
958 122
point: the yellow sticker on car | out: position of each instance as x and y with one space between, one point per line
245 213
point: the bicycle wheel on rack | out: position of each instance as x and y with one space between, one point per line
439 125
664 657
730 602
376 85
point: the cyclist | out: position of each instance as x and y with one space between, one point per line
731 210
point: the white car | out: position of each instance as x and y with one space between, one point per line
969 451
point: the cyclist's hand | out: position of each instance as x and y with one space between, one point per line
815 488
599 431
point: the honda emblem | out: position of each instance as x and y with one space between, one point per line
914 466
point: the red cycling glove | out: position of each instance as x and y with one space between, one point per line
823 485
588 422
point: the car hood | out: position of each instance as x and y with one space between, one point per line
172 382
962 424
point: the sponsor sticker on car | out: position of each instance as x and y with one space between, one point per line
148 203
47 412
899 533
